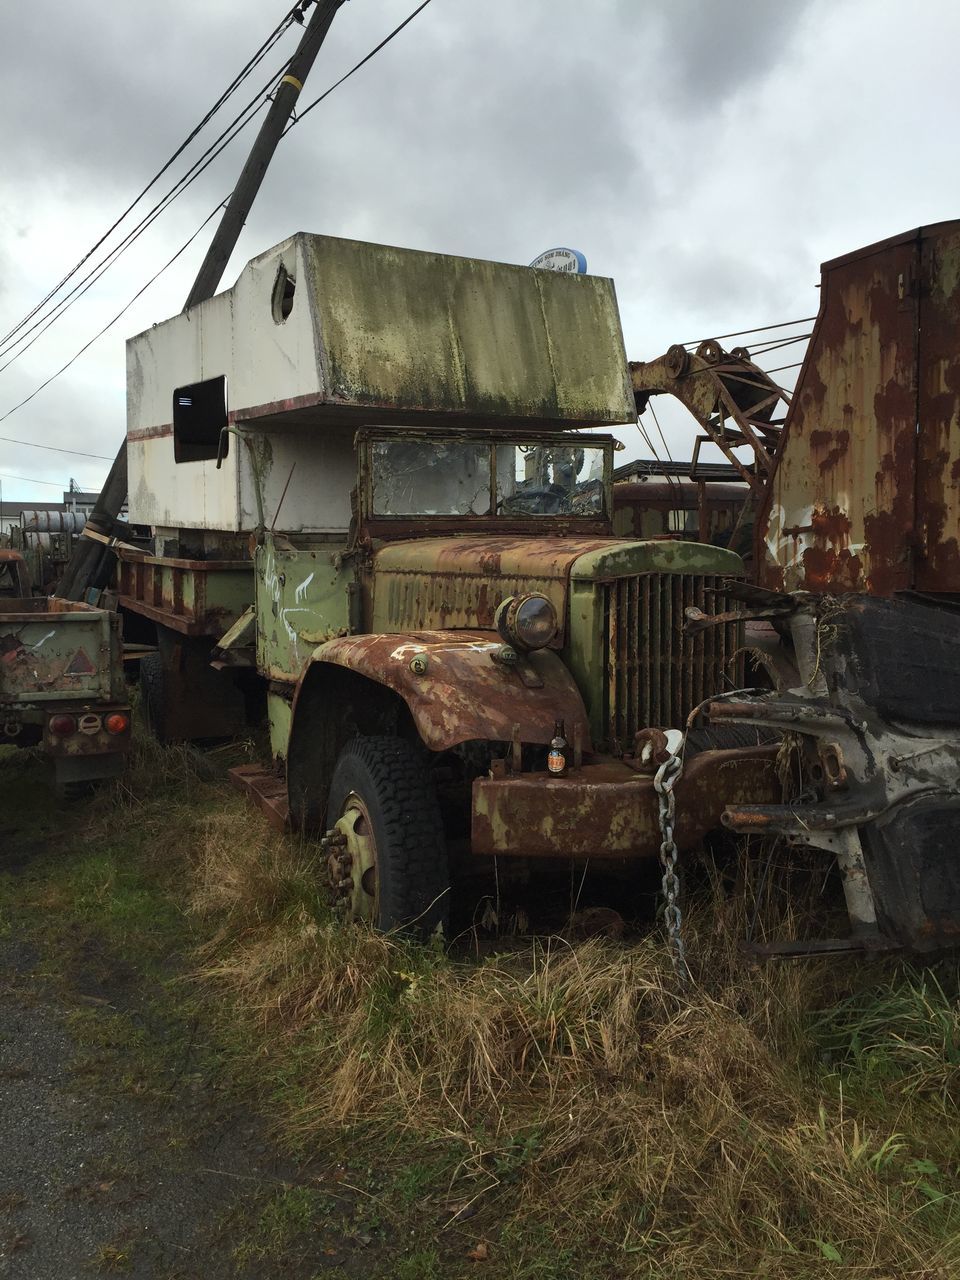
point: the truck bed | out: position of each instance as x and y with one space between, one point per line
52 649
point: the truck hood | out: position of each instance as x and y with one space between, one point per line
553 558
455 582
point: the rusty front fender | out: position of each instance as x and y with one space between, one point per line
457 691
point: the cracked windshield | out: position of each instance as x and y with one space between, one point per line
475 478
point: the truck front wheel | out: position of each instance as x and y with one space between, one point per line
385 842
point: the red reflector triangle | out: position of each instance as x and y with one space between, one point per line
80 665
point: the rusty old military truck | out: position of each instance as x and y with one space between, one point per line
380 501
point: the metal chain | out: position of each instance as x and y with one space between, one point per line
664 782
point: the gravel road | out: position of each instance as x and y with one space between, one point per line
94 1180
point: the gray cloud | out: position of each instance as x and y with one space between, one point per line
708 52
706 153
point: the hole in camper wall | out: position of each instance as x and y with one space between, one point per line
284 287
199 415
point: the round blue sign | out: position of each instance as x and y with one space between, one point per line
571 260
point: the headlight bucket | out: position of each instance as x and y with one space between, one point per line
527 622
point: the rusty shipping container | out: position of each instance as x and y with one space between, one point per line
866 492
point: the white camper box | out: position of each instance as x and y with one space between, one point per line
320 336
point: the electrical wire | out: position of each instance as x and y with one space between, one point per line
216 148
7 475
53 448
63 368
660 431
674 483
234 85
649 443
670 479
170 261
373 52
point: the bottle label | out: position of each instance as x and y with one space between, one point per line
556 761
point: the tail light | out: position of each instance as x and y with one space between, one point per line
117 722
63 726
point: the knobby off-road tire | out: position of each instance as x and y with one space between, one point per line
391 778
153 695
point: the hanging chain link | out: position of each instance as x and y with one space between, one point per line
664 781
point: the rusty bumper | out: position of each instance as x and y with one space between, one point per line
608 810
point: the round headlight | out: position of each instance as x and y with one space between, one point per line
529 622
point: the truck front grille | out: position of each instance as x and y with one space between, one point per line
656 674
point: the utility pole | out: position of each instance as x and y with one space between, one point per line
271 131
91 562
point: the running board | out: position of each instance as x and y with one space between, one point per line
266 790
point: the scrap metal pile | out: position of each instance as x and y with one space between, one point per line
855 610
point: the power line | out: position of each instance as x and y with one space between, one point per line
326 93
216 148
242 75
170 261
188 242
663 438
54 484
51 448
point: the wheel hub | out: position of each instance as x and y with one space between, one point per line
352 860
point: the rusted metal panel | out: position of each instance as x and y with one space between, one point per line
458 582
457 690
609 810
14 580
192 597
664 509
938 440
266 789
839 514
305 594
51 650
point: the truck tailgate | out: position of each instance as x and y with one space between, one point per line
54 649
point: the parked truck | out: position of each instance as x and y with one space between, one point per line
62 687
382 506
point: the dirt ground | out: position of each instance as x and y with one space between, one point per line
123 1146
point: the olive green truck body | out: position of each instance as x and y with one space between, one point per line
381 512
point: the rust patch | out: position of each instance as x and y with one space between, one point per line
838 442
853 416
462 691
450 582
605 809
829 570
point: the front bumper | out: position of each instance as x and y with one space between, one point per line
608 810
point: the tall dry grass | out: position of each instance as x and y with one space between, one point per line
729 1129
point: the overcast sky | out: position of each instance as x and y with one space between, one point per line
707 154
